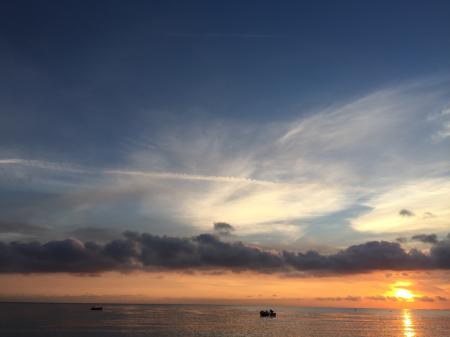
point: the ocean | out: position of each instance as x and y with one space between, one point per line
77 320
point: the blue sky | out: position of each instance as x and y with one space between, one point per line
311 125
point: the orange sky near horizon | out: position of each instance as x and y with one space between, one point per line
427 290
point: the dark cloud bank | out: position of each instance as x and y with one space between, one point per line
426 238
207 252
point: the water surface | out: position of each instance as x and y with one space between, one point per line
76 320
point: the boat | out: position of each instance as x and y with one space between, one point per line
268 313
96 307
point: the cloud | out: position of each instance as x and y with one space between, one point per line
94 233
398 299
22 228
443 119
440 253
377 298
182 197
424 298
271 180
185 176
424 195
223 228
405 212
401 239
425 238
338 299
207 252
46 165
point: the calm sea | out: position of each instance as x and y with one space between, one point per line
76 320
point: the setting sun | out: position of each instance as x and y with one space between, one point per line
404 294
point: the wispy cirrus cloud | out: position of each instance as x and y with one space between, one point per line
421 195
43 164
375 152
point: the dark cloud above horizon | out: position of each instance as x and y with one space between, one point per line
147 252
401 239
94 234
406 212
223 228
425 238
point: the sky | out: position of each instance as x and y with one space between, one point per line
172 151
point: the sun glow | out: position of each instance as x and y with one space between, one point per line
400 291
404 294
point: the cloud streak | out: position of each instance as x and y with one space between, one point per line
205 252
146 174
273 181
21 228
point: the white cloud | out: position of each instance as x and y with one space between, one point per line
268 178
442 120
423 197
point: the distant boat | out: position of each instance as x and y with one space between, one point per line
95 307
267 313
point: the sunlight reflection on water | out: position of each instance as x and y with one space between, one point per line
408 327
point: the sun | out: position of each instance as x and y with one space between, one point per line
400 291
404 294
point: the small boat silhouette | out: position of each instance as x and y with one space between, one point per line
267 313
96 307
